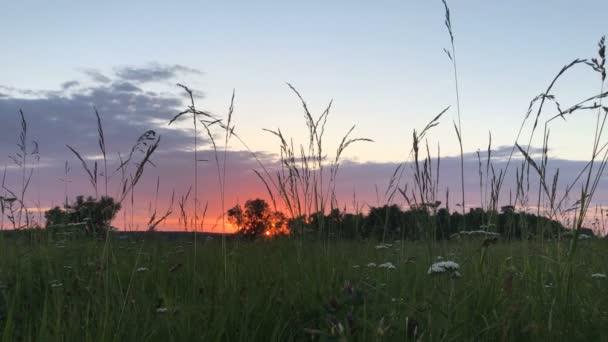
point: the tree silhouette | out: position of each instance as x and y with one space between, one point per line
257 219
94 214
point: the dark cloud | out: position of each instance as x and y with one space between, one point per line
97 76
127 87
69 84
365 177
154 72
60 117
503 153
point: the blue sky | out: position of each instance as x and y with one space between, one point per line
381 62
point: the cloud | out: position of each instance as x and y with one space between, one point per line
126 87
503 153
66 116
154 72
96 76
69 84
128 108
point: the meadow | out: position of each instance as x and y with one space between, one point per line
437 282
146 288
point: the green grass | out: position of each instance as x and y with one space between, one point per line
293 290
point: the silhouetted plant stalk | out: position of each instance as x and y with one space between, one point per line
4 200
424 193
154 221
300 180
458 128
145 145
102 147
191 109
20 217
208 121
591 174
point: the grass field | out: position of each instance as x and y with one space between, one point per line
153 289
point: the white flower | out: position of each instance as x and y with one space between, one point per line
443 266
371 264
356 266
387 265
474 233
598 275
55 283
584 237
383 246
141 269
439 257
161 310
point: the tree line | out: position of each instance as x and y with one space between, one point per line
256 218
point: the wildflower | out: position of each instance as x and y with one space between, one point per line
584 237
356 266
387 265
444 266
371 264
161 310
383 246
598 276
55 283
476 233
439 257
141 269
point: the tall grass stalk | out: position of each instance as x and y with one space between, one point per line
458 128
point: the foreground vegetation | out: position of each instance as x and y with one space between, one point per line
147 288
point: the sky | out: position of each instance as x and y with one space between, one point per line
382 64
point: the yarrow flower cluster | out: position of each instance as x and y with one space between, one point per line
445 267
598 276
141 269
384 246
387 265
